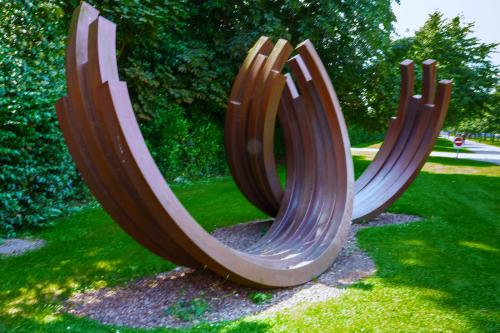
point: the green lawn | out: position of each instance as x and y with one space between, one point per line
439 275
441 144
375 143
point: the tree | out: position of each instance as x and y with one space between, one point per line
179 59
187 53
461 58
349 35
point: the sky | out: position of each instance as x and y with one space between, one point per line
412 14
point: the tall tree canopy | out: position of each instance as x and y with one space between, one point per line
187 52
463 59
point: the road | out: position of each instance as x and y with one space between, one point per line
478 152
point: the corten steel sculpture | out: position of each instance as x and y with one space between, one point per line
105 141
250 131
313 212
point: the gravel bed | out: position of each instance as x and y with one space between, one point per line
149 302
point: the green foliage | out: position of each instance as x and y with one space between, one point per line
182 148
361 137
37 177
349 36
489 141
259 297
487 121
179 59
176 92
188 54
188 310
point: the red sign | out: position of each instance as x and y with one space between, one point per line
458 142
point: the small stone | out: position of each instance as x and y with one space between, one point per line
16 246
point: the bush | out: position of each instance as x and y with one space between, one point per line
360 136
37 177
182 148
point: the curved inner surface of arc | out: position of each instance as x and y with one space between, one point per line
406 91
396 163
107 145
396 166
319 107
78 123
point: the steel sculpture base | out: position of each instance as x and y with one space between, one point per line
314 211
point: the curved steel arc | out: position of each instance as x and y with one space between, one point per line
319 150
398 164
406 91
313 212
84 144
438 115
234 134
395 163
105 140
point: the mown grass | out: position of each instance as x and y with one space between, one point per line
439 275
446 145
375 143
441 144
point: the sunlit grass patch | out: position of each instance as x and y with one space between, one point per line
440 274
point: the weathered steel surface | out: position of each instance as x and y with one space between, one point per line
408 142
312 214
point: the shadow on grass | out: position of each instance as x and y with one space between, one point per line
362 286
455 254
67 323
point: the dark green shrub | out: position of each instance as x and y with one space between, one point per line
360 136
183 148
37 178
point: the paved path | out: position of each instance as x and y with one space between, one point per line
478 152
